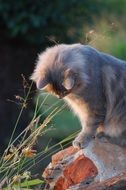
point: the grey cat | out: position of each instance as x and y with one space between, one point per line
92 83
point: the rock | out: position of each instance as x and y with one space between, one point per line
73 168
110 159
79 169
68 167
64 153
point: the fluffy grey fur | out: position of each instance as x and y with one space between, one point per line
94 85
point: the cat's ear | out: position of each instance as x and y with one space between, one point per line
69 79
42 83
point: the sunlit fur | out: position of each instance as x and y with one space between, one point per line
98 93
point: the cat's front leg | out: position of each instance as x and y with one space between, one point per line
86 135
82 140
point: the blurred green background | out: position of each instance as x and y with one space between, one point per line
27 27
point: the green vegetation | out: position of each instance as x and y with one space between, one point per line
35 21
20 156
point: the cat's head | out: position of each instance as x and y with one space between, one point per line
58 70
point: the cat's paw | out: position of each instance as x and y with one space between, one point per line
81 142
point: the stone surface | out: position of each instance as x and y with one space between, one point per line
68 167
115 183
64 153
110 159
79 169
73 168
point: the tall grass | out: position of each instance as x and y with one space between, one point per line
20 155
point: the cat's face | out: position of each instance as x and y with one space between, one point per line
59 92
58 70
53 75
57 82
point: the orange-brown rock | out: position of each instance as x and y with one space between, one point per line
76 172
76 169
63 153
61 175
62 184
79 170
